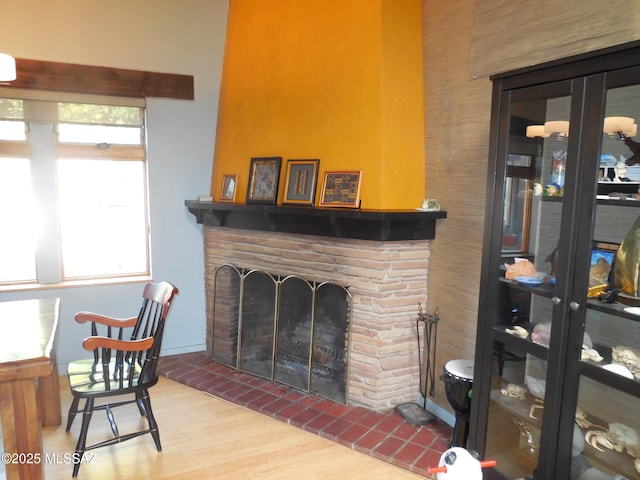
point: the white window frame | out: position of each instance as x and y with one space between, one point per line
40 113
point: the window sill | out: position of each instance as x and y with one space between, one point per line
26 287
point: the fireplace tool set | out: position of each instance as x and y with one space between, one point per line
426 332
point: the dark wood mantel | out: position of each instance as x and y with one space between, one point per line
379 225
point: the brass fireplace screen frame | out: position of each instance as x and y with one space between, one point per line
283 328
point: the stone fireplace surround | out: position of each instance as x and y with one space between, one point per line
387 279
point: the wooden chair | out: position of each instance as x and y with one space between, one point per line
119 367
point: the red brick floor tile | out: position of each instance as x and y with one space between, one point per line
291 411
439 445
215 367
389 423
237 391
337 410
247 397
167 364
388 447
319 423
293 395
335 428
309 400
354 414
352 434
268 403
304 417
406 431
198 359
323 404
429 458
197 377
224 387
271 387
425 436
180 371
209 385
371 419
370 441
408 454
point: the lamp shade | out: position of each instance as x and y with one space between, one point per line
7 68
561 127
623 125
536 131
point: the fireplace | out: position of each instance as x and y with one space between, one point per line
284 329
380 260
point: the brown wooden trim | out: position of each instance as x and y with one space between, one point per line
14 149
120 152
67 77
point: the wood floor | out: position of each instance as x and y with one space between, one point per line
206 437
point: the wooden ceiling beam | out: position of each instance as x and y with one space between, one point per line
72 78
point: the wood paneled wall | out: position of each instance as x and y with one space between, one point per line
464 42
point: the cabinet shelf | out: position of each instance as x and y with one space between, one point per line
615 309
610 379
618 202
520 344
545 289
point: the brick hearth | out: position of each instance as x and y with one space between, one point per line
383 435
387 280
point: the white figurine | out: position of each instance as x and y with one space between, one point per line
457 463
621 172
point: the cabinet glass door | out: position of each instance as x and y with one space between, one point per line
606 437
537 157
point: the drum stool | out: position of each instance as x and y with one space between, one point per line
458 382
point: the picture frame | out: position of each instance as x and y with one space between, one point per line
341 189
228 188
300 182
264 176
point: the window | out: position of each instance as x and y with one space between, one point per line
72 191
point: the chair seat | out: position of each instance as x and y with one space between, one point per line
88 379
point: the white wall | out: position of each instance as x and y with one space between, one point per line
169 36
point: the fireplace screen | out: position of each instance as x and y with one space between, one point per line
284 329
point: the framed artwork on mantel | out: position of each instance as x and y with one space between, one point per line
341 189
264 176
300 182
228 189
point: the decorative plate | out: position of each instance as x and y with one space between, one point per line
533 281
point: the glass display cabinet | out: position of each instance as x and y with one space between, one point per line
556 391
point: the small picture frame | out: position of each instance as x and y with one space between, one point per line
300 182
228 188
264 176
341 189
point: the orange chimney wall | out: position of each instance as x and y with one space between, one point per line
336 80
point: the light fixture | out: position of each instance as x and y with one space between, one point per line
536 131
560 127
7 68
623 126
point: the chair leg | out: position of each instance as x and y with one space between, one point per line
73 409
140 403
82 438
153 426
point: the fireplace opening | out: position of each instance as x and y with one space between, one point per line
283 328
